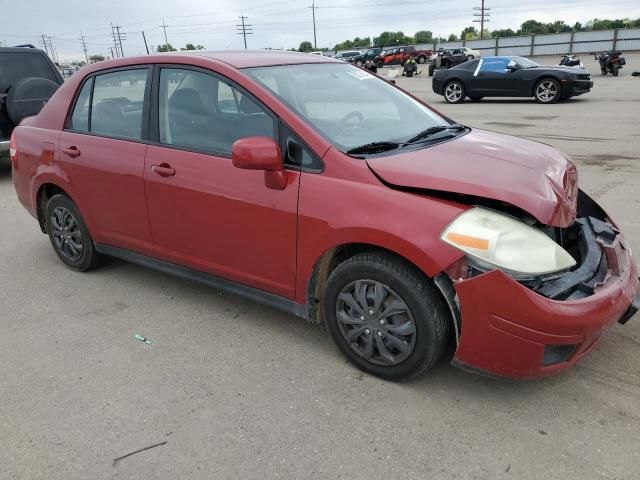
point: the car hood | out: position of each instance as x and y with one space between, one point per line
559 68
529 175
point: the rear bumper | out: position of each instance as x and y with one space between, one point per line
511 331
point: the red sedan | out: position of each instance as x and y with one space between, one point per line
320 189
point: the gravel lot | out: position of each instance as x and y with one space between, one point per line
240 391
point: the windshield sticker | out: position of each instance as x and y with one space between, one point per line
360 74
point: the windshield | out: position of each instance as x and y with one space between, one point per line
525 62
347 105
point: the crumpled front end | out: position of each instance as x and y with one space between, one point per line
523 329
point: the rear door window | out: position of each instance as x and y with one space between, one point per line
118 103
15 66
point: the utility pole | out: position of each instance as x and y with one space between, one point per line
145 42
481 14
313 14
84 48
119 40
52 51
115 41
244 29
164 27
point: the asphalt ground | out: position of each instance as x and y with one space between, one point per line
241 391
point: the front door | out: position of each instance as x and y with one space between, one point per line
102 153
493 79
204 212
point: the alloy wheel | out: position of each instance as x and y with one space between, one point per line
547 91
375 322
453 92
66 234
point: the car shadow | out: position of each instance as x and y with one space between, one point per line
525 100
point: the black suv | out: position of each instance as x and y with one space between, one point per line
28 78
370 54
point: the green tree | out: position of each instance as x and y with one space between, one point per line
96 58
387 39
469 33
452 38
505 32
423 36
191 46
305 47
165 48
355 43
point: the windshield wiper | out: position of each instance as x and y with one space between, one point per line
433 130
375 147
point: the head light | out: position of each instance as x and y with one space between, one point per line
496 240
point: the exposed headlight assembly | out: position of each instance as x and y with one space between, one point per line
494 240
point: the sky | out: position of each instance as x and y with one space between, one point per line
275 24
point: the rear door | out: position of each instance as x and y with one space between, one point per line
204 212
102 152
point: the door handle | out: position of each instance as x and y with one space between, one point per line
164 170
71 151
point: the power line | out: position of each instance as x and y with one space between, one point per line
313 14
481 14
244 29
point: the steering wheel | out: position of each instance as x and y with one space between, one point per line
347 119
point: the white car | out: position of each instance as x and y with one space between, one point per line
470 53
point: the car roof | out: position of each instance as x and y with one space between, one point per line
20 50
260 58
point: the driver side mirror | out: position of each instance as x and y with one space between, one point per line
512 66
260 153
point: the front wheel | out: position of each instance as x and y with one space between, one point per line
432 69
547 90
454 92
603 71
422 59
614 70
470 57
359 63
385 316
69 234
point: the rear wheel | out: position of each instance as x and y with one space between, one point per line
422 59
432 69
359 63
385 316
547 90
470 57
69 234
454 92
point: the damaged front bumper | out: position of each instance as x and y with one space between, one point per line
521 331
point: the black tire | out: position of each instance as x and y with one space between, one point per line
615 70
547 91
470 57
432 69
603 71
423 301
359 63
422 59
380 64
27 97
460 92
475 99
63 239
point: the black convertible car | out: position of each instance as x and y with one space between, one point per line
510 77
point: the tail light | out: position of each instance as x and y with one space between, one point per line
13 149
